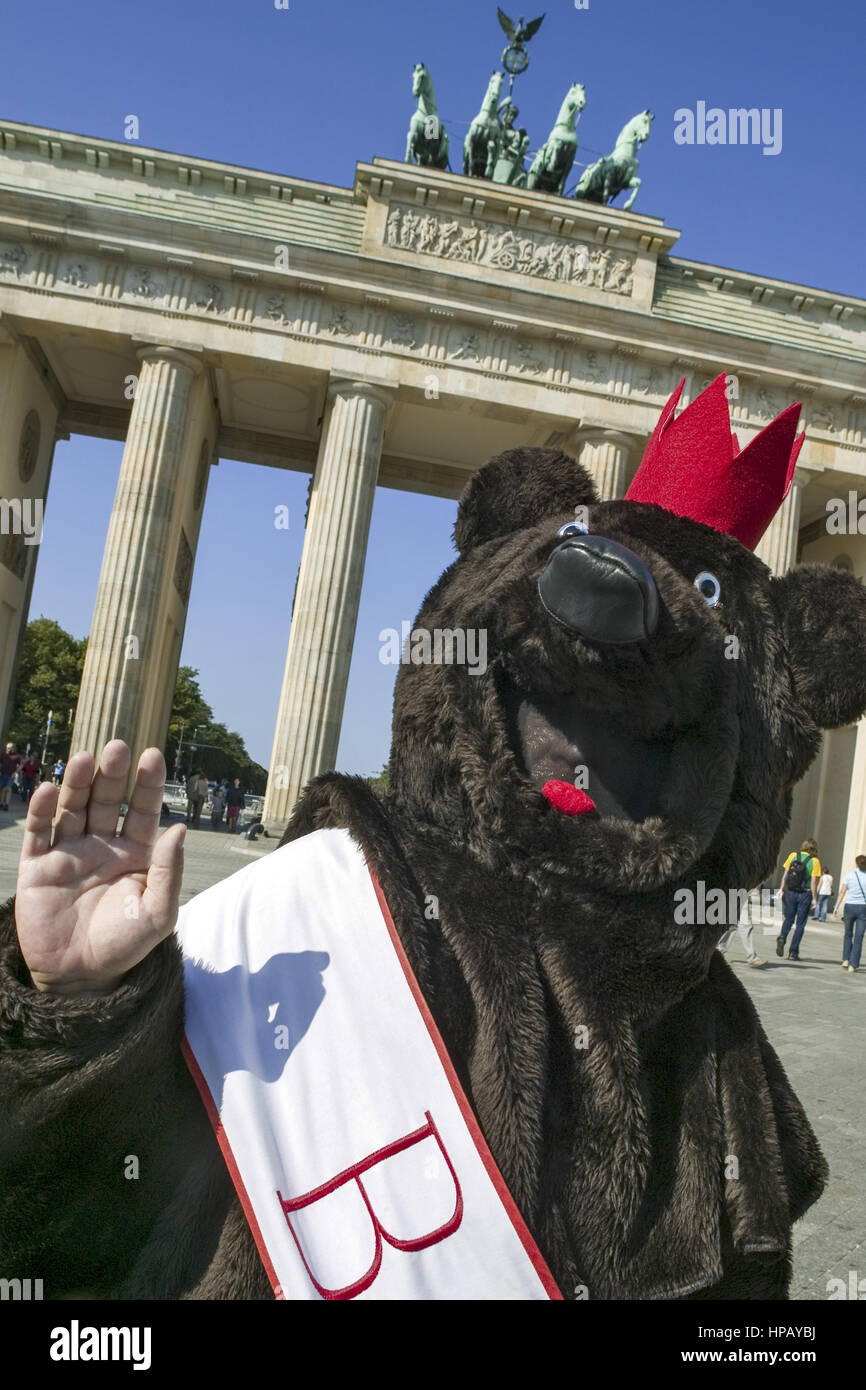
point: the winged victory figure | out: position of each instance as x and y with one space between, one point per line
519 33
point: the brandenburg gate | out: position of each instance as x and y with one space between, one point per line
394 334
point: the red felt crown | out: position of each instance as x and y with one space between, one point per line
693 465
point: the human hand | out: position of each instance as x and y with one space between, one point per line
93 904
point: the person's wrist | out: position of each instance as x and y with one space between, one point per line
72 988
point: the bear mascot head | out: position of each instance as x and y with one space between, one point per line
652 694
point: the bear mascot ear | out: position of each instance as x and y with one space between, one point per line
517 489
823 618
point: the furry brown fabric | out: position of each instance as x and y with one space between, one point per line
665 1156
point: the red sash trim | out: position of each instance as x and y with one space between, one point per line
230 1162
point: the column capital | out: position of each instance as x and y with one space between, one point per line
806 471
381 391
602 434
164 352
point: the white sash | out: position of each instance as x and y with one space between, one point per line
360 1166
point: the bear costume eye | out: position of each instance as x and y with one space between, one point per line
572 528
709 588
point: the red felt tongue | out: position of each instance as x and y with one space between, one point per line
566 797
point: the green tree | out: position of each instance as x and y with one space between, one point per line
220 751
380 783
48 679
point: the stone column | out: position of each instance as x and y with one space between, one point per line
778 545
328 591
29 408
855 825
123 635
604 454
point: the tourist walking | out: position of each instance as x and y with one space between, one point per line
8 767
31 774
234 802
854 914
196 795
59 769
745 929
799 889
825 893
217 806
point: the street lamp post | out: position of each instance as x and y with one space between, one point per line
47 732
178 753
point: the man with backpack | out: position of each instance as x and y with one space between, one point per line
799 892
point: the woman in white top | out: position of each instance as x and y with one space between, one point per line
854 888
823 896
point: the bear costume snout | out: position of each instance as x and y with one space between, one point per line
600 590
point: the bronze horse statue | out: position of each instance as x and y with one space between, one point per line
552 164
481 145
603 180
427 141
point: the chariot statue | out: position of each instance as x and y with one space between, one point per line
495 147
511 149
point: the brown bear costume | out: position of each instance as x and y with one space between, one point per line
603 653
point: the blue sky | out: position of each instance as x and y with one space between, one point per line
310 90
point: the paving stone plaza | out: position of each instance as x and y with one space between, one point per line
811 1011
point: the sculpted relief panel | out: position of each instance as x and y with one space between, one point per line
542 257
13 259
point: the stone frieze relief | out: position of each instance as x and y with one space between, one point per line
469 241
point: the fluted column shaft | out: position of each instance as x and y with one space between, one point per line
855 825
328 592
604 454
778 545
121 642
